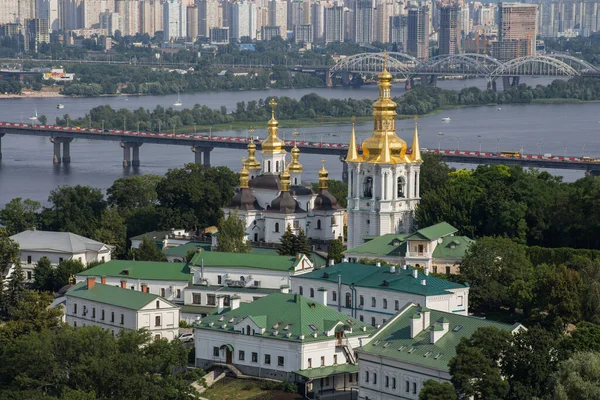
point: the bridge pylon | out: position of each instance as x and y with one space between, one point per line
66 150
131 149
1 135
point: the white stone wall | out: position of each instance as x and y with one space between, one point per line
171 288
29 259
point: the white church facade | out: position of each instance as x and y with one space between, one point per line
271 198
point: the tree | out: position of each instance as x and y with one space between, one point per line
76 209
586 337
559 294
15 288
20 215
133 192
192 197
42 275
302 245
112 231
336 251
232 235
577 378
434 390
64 271
9 251
499 272
31 314
287 243
148 251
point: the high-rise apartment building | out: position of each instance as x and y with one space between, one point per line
209 16
151 12
192 22
49 9
71 14
303 33
334 24
174 20
110 21
363 21
91 12
450 29
16 11
129 11
418 32
318 21
243 20
517 30
399 31
36 33
383 11
278 16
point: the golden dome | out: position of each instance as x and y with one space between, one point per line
273 144
252 163
285 181
323 176
384 116
243 175
295 165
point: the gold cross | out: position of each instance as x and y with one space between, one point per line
295 134
416 118
385 60
273 104
244 163
353 120
323 162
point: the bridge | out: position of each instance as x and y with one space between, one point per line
463 65
202 145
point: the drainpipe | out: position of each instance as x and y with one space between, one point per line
353 314
340 296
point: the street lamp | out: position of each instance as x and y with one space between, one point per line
458 143
439 144
102 125
582 150
565 151
124 123
540 144
138 127
498 149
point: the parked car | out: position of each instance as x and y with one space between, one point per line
186 337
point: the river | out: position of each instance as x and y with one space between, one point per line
26 169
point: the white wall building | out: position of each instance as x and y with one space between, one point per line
285 337
375 294
414 346
113 308
174 20
383 189
57 247
243 20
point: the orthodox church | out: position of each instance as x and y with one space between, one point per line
383 181
271 197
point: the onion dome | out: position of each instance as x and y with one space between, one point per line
285 202
295 165
273 144
244 199
252 163
324 201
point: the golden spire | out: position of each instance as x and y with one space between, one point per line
384 118
323 176
285 181
252 163
415 156
295 165
243 175
352 155
273 144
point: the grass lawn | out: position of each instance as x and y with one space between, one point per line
244 389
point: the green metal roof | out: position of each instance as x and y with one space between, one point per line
452 247
149 270
370 276
393 340
316 259
433 232
244 260
113 295
278 311
155 236
227 289
181 251
197 309
322 372
392 245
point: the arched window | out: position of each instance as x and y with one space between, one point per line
276 166
318 224
348 299
301 291
248 330
312 292
242 279
268 166
400 187
276 226
295 181
368 187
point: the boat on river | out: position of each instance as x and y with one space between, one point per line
60 106
446 119
178 102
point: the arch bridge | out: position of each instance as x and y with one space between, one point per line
466 65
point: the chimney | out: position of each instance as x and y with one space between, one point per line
322 295
331 262
426 271
378 264
123 284
235 302
416 325
426 313
392 269
284 289
145 288
91 281
415 273
424 282
439 329
220 304
404 267
344 259
103 280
